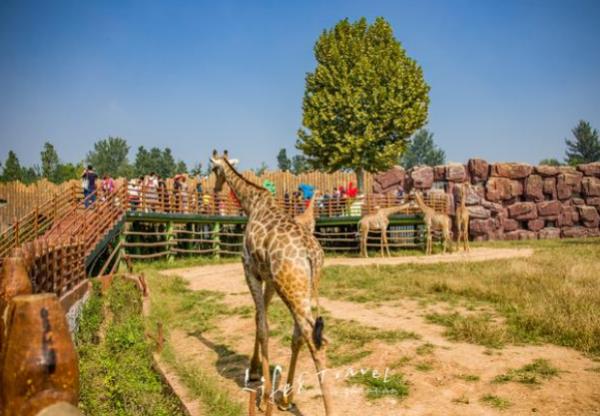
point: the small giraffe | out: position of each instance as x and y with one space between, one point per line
433 220
378 221
462 219
307 218
279 256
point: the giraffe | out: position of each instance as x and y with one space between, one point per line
279 256
378 221
307 218
462 219
433 220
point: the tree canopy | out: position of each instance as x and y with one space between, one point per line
363 101
50 162
585 147
422 151
109 157
283 161
550 161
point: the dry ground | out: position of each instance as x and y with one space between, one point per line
444 377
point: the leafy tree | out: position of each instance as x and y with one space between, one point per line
50 162
283 161
551 162
68 171
109 157
12 168
197 170
167 167
300 164
364 100
30 174
422 151
585 148
181 167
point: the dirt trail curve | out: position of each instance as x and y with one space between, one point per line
442 390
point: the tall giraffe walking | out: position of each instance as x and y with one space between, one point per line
279 255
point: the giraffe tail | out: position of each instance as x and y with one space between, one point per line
318 332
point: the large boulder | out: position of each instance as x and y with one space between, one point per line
422 177
589 216
481 227
549 233
523 211
568 216
590 169
534 188
502 189
389 181
439 173
549 208
591 186
594 201
455 172
520 235
509 224
536 224
478 212
479 170
546 170
511 170
549 187
568 183
574 232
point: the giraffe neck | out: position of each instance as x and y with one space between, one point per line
250 195
422 205
463 196
393 210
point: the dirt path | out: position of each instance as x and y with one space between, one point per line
225 350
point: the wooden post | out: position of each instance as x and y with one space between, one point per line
216 240
170 238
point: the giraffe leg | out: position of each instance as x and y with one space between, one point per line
297 341
262 332
381 241
466 235
386 243
364 235
458 235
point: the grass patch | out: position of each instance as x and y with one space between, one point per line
532 373
476 329
176 306
215 400
116 373
471 378
376 386
349 339
424 366
425 349
593 369
496 402
553 296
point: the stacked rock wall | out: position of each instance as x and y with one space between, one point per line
516 201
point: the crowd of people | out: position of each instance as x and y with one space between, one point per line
151 193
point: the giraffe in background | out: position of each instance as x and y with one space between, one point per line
378 221
307 218
433 220
462 219
279 256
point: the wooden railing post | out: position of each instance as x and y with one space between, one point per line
217 240
170 238
16 232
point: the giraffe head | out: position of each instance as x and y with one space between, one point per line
218 164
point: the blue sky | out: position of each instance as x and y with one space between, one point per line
509 79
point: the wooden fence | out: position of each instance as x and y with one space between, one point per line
22 199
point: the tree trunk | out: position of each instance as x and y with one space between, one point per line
360 179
